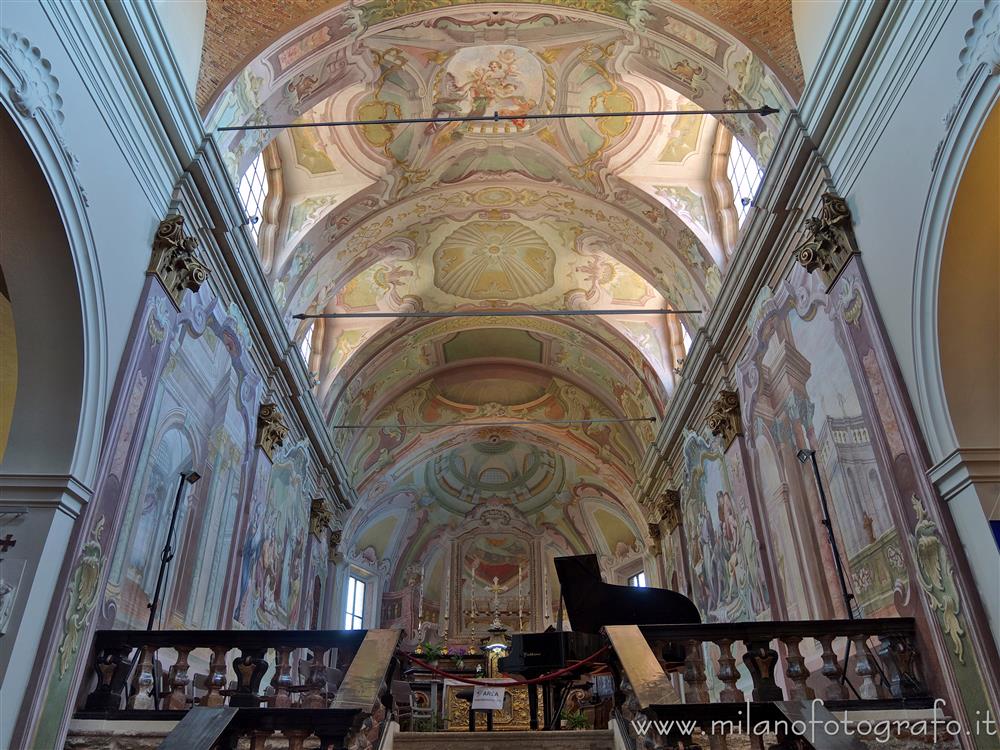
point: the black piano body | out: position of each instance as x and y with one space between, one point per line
591 604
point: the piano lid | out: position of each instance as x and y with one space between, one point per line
591 604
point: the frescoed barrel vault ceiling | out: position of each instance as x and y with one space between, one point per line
602 213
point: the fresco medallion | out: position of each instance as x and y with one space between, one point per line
494 260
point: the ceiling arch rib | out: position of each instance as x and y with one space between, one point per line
351 238
706 64
566 348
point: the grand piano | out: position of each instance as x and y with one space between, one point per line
591 604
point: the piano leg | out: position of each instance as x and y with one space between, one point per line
533 707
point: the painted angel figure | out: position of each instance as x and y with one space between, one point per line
449 99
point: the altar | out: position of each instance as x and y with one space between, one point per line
513 716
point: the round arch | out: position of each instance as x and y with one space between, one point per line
54 286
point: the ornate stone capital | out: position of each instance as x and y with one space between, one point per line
320 516
333 540
830 239
724 417
174 261
668 509
271 429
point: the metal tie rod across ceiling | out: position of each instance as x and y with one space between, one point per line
489 314
520 423
497 117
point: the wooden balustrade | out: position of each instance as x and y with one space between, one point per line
344 703
789 665
887 671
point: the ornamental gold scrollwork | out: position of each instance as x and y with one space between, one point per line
937 579
83 591
320 517
271 429
830 241
174 262
333 541
724 417
667 509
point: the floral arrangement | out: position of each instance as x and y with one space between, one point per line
430 651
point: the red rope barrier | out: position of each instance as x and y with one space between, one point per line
533 681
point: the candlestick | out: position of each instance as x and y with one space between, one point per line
420 599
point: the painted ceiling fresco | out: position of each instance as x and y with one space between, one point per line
232 35
443 424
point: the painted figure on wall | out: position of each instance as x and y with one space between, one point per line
271 563
728 578
479 81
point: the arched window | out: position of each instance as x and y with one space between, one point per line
306 347
745 177
253 191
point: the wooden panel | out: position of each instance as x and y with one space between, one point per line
365 676
650 685
200 728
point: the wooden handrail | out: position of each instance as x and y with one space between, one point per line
326 639
782 629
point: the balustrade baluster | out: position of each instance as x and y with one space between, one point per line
694 673
797 672
761 660
295 737
179 680
864 669
216 681
250 667
112 666
258 739
835 689
900 659
143 697
314 696
728 673
282 680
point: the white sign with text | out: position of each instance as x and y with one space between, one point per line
487 698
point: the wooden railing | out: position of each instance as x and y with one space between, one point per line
891 671
343 700
663 676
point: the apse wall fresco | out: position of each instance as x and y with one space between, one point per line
485 510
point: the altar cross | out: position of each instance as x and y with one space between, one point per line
9 541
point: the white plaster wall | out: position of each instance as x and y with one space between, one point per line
888 195
122 216
123 213
812 21
184 24
980 548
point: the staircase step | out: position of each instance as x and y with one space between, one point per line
561 740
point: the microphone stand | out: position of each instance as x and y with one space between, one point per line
166 555
806 454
